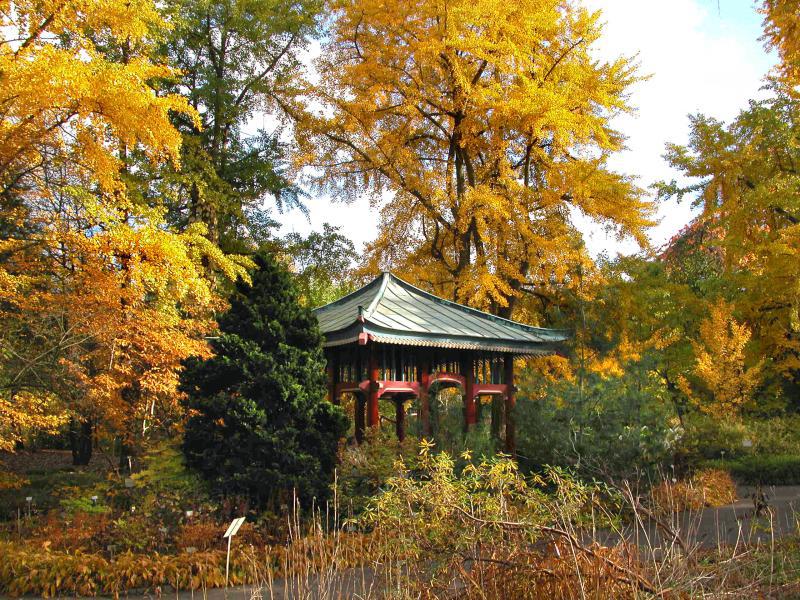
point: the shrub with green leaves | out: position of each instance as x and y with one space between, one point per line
364 469
612 427
766 470
437 518
261 427
775 436
439 509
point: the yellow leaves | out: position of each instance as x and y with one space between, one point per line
543 371
488 121
11 481
28 570
117 299
132 20
231 266
783 33
25 412
614 363
720 364
76 101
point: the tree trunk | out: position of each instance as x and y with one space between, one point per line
80 441
400 418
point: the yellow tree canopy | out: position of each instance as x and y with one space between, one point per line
99 300
69 96
479 126
782 32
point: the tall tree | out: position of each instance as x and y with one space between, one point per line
487 123
99 300
322 263
747 186
235 56
261 426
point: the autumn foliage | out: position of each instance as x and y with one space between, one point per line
485 122
99 299
143 145
720 366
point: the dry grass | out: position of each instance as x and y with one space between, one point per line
637 552
706 488
566 562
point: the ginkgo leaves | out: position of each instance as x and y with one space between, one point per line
724 381
749 192
73 99
489 122
101 301
782 31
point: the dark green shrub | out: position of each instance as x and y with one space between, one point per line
775 436
614 430
708 438
766 470
261 426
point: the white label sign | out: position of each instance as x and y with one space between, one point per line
234 527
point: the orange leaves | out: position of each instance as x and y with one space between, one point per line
139 298
26 411
32 571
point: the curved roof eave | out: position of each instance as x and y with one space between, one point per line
354 334
389 308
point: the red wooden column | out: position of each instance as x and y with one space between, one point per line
470 410
373 415
424 400
511 401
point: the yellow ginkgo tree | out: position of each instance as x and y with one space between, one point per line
99 300
782 32
724 381
479 127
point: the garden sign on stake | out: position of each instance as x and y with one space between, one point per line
232 529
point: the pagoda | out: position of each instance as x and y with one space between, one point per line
391 341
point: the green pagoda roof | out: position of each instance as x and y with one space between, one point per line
392 311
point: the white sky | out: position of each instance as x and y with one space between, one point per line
702 55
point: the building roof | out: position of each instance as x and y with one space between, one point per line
390 310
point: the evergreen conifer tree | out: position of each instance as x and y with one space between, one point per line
261 426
